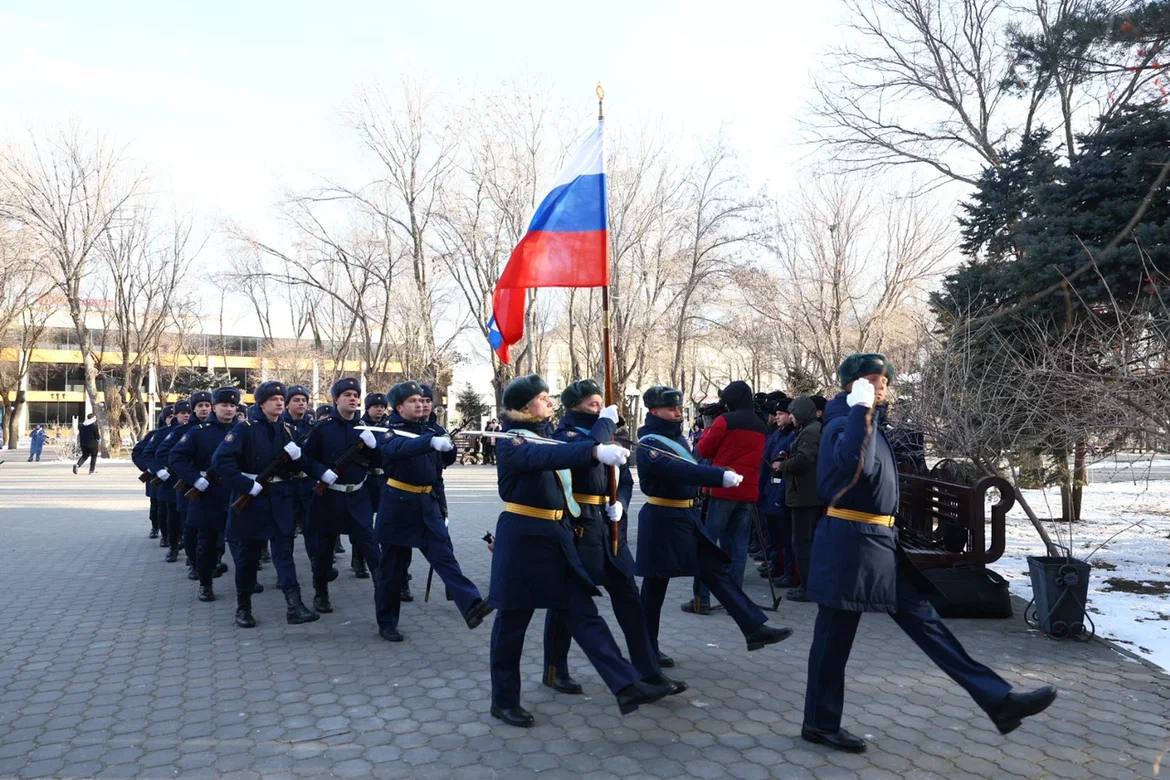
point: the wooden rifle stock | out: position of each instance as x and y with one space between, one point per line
194 493
144 477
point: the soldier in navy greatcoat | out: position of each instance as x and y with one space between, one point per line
159 455
296 415
191 461
375 415
536 565
246 452
409 514
343 507
200 412
857 566
584 419
671 540
139 456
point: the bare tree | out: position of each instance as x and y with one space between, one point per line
947 84
849 273
145 270
68 192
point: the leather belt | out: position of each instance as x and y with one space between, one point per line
539 513
673 503
298 475
860 517
270 479
586 498
346 488
409 488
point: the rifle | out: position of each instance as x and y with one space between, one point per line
180 485
340 463
242 501
144 477
194 493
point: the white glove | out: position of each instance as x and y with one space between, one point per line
861 393
612 454
614 512
329 477
442 444
163 474
731 479
256 488
294 452
202 484
368 439
609 413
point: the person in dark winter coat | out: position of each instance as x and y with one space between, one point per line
778 518
799 471
671 540
857 566
735 440
89 440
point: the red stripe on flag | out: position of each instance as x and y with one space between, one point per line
558 259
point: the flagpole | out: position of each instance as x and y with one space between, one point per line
615 529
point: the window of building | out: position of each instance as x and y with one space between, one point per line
58 414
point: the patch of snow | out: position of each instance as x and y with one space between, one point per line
1125 534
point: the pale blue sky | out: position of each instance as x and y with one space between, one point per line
228 103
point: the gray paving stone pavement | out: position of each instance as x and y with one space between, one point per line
109 667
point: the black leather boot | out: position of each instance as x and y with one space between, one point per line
560 681
297 612
766 635
514 716
321 598
206 593
357 565
839 739
638 693
405 595
1017 706
191 573
244 617
478 611
337 548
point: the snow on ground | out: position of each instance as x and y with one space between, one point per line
1125 534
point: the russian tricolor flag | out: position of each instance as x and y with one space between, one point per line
566 245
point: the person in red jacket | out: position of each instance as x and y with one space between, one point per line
735 440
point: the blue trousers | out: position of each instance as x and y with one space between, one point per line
730 524
715 574
391 576
154 513
585 626
319 545
174 523
780 537
246 554
824 697
627 608
207 553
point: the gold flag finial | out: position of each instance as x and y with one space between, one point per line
600 91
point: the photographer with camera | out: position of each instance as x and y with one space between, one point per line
734 440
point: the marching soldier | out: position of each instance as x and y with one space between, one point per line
409 514
139 456
858 566
375 415
201 410
259 444
335 459
165 492
536 565
296 416
590 519
206 510
672 542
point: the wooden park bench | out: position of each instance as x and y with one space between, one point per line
467 449
942 524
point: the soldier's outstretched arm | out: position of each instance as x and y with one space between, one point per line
661 466
393 447
521 455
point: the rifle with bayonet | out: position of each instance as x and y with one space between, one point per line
265 476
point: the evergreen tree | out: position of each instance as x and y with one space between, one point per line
471 406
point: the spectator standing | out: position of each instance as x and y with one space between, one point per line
799 471
735 441
89 439
36 444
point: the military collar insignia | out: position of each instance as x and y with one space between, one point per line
654 454
229 437
517 441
